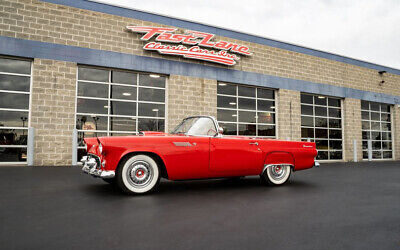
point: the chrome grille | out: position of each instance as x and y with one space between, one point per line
98 163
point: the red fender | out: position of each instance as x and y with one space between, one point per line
279 157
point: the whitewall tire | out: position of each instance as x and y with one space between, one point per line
275 175
139 174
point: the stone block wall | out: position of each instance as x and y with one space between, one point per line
53 111
396 131
189 96
60 24
288 114
352 128
54 82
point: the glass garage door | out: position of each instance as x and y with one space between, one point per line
245 110
15 88
377 127
118 103
321 122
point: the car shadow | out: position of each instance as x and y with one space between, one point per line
103 190
248 184
203 187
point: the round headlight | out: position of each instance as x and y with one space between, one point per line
101 148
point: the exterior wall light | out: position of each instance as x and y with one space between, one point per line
381 73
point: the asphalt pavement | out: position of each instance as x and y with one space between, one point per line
337 206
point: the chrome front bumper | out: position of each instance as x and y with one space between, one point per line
91 167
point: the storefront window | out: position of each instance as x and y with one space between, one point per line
15 85
376 126
118 103
321 122
244 110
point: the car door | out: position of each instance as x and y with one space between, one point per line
232 154
188 157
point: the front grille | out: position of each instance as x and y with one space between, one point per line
98 164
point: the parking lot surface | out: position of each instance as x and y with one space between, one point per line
336 206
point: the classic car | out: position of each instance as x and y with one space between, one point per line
196 149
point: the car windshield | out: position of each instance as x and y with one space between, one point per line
196 126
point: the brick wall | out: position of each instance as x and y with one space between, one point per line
289 114
36 20
53 111
190 96
352 128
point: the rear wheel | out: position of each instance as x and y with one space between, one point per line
276 175
139 174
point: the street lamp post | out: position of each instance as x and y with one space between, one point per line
95 119
23 119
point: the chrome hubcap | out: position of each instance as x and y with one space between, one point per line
277 172
140 174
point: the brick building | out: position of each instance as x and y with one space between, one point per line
70 69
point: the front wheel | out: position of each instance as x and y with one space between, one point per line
276 175
138 175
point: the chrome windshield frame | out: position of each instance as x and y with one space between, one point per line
204 116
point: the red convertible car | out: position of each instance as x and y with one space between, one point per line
196 149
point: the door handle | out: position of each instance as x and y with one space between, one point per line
253 143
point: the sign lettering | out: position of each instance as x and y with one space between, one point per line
217 52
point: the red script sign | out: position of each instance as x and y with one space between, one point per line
195 40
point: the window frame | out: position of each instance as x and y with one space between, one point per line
237 109
327 106
109 100
29 93
370 131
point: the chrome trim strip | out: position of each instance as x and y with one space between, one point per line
182 144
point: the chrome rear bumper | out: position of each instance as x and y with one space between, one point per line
90 166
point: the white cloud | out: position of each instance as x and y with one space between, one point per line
363 29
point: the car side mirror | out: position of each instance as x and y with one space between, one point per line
220 130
